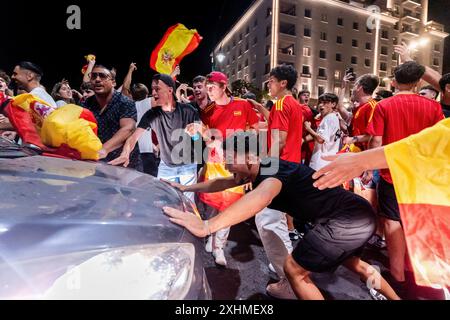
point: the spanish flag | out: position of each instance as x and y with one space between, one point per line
420 168
177 43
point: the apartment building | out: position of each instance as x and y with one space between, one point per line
322 38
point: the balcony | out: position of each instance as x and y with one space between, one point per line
288 9
409 33
409 4
410 17
287 29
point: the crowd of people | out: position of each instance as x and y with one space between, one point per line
188 135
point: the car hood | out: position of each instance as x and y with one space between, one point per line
57 213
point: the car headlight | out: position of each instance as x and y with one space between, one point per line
155 272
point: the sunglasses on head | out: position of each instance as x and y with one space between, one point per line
101 75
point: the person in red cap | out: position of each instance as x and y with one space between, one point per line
220 119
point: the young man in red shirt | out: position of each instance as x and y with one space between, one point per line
285 133
220 119
396 118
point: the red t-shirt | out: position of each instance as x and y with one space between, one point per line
362 116
286 115
399 117
307 147
238 114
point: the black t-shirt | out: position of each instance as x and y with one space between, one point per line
446 110
169 128
108 122
300 199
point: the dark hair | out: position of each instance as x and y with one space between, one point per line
369 82
139 91
198 79
242 142
269 105
5 77
331 97
55 92
409 72
30 66
285 72
431 88
303 92
112 71
445 80
85 86
383 94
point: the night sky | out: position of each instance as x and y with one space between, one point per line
120 34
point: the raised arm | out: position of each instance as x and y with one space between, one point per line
126 87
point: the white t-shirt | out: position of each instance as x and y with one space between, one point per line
329 130
44 96
61 103
145 142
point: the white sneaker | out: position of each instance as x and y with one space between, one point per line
281 290
272 269
208 246
219 256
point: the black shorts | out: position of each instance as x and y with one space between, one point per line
337 238
387 201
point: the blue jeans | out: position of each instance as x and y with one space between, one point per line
183 174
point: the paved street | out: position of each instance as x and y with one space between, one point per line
247 274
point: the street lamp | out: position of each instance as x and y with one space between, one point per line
220 57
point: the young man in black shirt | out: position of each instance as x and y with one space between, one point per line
344 222
168 119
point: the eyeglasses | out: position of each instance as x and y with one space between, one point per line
101 75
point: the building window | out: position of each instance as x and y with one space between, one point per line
337 75
307 13
354 43
247 31
268 31
307 32
383 66
340 22
247 45
368 46
267 68
305 86
306 70
323 36
339 39
324 17
384 51
367 62
246 62
355 26
254 75
240 52
368 30
268 50
321 90
234 58
338 57
437 47
436 62
255 40
322 73
269 12
384 34
306 51
239 67
240 37
234 43
322 54
289 50
255 24
354 60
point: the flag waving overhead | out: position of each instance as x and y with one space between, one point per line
178 42
420 168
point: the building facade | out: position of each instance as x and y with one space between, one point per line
322 38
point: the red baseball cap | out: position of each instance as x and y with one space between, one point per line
219 77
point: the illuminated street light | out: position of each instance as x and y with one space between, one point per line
220 57
421 43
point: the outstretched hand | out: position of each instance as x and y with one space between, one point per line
343 167
175 185
188 220
121 160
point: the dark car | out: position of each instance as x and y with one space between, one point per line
82 230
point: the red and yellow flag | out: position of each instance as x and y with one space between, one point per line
178 42
420 168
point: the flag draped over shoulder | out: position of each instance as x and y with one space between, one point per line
178 42
420 168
